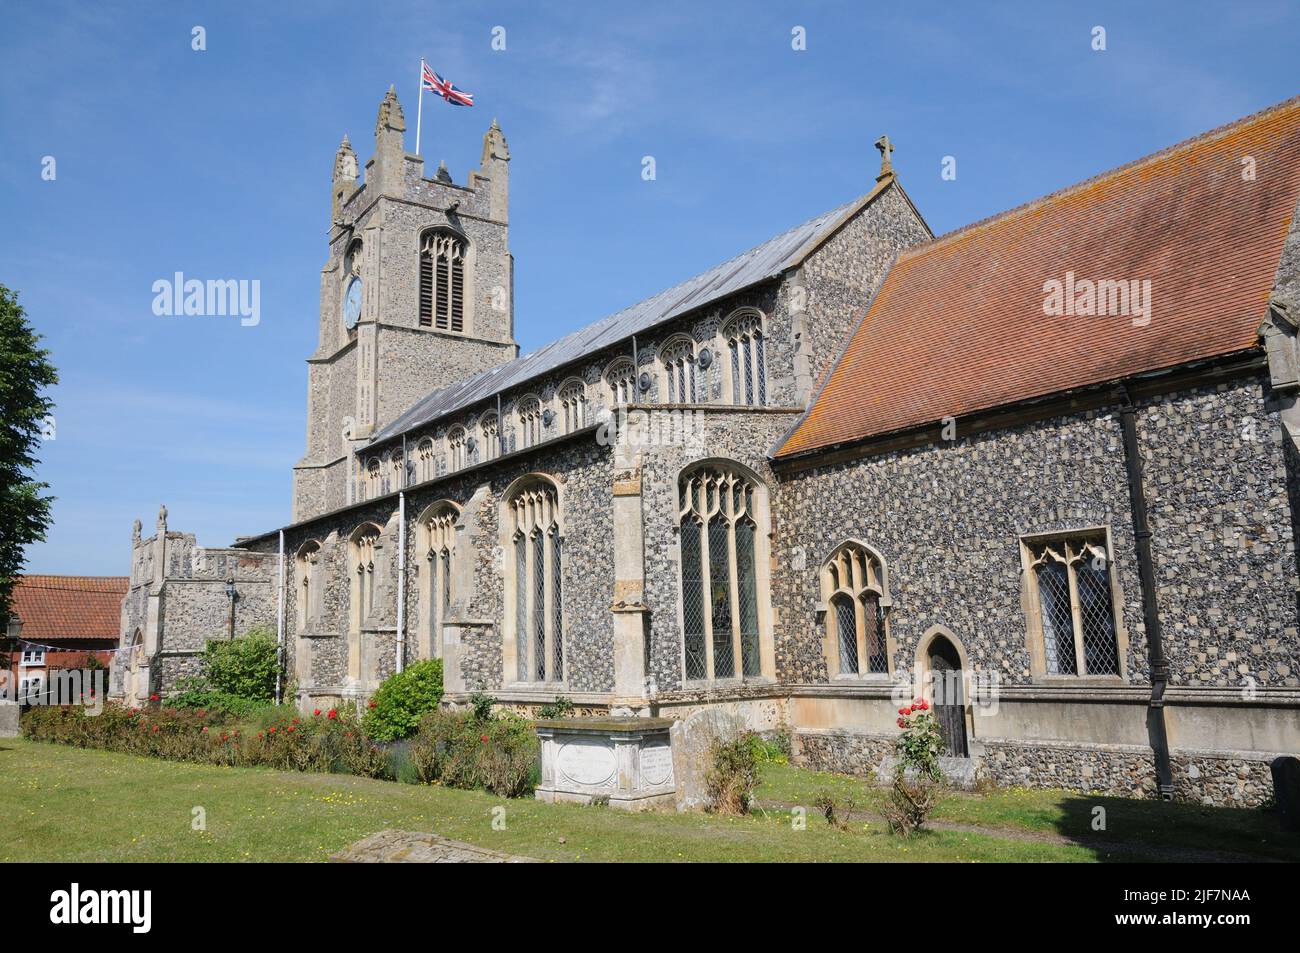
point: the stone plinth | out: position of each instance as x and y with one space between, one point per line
626 762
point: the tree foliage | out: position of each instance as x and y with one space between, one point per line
25 375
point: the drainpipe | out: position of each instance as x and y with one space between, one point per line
1156 728
401 576
501 430
279 626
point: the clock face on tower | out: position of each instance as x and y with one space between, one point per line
352 304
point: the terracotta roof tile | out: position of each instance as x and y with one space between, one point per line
69 607
958 325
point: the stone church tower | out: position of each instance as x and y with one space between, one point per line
417 293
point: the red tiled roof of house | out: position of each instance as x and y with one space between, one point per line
69 607
958 326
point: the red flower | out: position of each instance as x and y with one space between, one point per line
204 729
924 706
155 728
259 734
902 711
901 723
289 730
347 734
333 714
295 721
316 713
202 713
371 704
153 698
483 739
270 731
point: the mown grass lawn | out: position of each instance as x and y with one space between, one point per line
68 804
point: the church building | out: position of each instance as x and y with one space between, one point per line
1042 470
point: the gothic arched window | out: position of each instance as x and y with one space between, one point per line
533 526
424 457
397 469
1073 610
365 566
530 422
309 585
437 529
621 378
442 281
573 404
747 358
678 361
373 478
855 593
721 521
490 432
456 437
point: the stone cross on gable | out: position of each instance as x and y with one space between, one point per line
885 147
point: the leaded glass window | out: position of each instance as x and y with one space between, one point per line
573 404
621 378
530 422
489 430
1076 614
439 534
854 589
748 351
720 598
534 523
678 359
456 448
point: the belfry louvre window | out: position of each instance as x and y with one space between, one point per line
747 351
854 592
1071 588
536 548
442 282
678 360
719 587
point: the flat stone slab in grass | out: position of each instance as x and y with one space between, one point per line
413 847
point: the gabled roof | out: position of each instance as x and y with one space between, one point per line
959 325
69 607
760 263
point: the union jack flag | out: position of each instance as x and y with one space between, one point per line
441 87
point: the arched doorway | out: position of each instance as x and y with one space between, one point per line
943 662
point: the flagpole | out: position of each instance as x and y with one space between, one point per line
419 109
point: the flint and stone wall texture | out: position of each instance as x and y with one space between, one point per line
948 519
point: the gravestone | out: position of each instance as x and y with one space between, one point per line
1286 791
624 762
692 741
8 719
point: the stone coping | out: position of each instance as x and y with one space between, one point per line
630 726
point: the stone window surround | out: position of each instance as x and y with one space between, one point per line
307 573
429 571
471 292
763 539
620 375
509 624
1031 607
572 397
365 568
679 350
823 616
722 354
528 418
488 427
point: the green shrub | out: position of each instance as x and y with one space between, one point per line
773 749
560 708
196 694
245 667
732 775
481 703
403 699
463 750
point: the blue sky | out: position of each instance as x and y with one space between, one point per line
217 164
